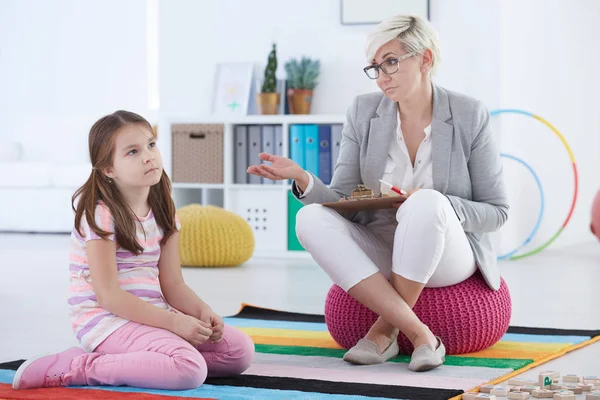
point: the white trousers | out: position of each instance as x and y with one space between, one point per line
425 243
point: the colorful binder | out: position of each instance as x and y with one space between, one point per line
325 153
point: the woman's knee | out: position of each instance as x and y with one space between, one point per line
309 219
425 204
191 368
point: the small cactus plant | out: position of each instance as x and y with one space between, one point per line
270 83
303 74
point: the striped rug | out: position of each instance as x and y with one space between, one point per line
296 358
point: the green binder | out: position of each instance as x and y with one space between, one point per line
293 206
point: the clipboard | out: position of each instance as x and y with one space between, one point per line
367 204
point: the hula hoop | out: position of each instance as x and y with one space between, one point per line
540 215
575 176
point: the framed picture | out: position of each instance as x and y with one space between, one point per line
232 89
361 12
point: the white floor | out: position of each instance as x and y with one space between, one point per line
557 288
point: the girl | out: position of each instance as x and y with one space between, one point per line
138 322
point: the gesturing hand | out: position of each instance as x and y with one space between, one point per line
280 168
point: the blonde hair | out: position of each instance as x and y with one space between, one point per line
413 32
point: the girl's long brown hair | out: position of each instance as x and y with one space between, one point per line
98 187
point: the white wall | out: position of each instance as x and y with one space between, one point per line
549 68
195 35
70 57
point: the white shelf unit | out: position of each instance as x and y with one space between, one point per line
264 206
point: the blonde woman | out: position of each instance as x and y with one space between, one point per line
435 144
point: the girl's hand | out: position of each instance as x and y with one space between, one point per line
216 324
191 329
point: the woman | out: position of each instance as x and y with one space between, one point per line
436 145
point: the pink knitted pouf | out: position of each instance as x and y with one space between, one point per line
595 224
468 317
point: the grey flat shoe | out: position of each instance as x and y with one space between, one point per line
366 352
425 358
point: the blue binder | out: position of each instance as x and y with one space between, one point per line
325 153
311 149
297 144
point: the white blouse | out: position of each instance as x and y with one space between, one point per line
399 170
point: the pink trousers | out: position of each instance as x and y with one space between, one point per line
147 357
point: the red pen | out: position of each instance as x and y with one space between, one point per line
393 188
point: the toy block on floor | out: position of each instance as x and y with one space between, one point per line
500 391
571 378
518 396
542 394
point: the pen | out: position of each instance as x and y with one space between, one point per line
393 188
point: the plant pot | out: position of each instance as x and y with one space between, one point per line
299 100
267 103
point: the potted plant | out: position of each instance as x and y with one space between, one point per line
268 98
301 80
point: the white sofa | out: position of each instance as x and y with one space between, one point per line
43 160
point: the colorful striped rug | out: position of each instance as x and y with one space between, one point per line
296 358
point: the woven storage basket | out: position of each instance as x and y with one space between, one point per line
197 153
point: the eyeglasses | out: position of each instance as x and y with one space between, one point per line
389 66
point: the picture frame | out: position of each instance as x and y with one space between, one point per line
361 12
233 84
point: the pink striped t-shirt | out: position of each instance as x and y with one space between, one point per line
138 275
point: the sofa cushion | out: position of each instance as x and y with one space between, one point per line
54 137
10 151
70 176
25 174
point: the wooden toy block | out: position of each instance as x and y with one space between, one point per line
529 388
500 391
573 388
545 379
593 396
591 378
514 389
518 396
542 394
553 374
587 387
478 396
571 378
565 395
556 386
486 388
521 381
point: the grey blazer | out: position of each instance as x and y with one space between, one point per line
466 165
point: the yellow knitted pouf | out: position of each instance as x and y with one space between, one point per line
213 237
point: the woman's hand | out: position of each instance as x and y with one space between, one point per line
216 324
191 329
397 205
280 168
